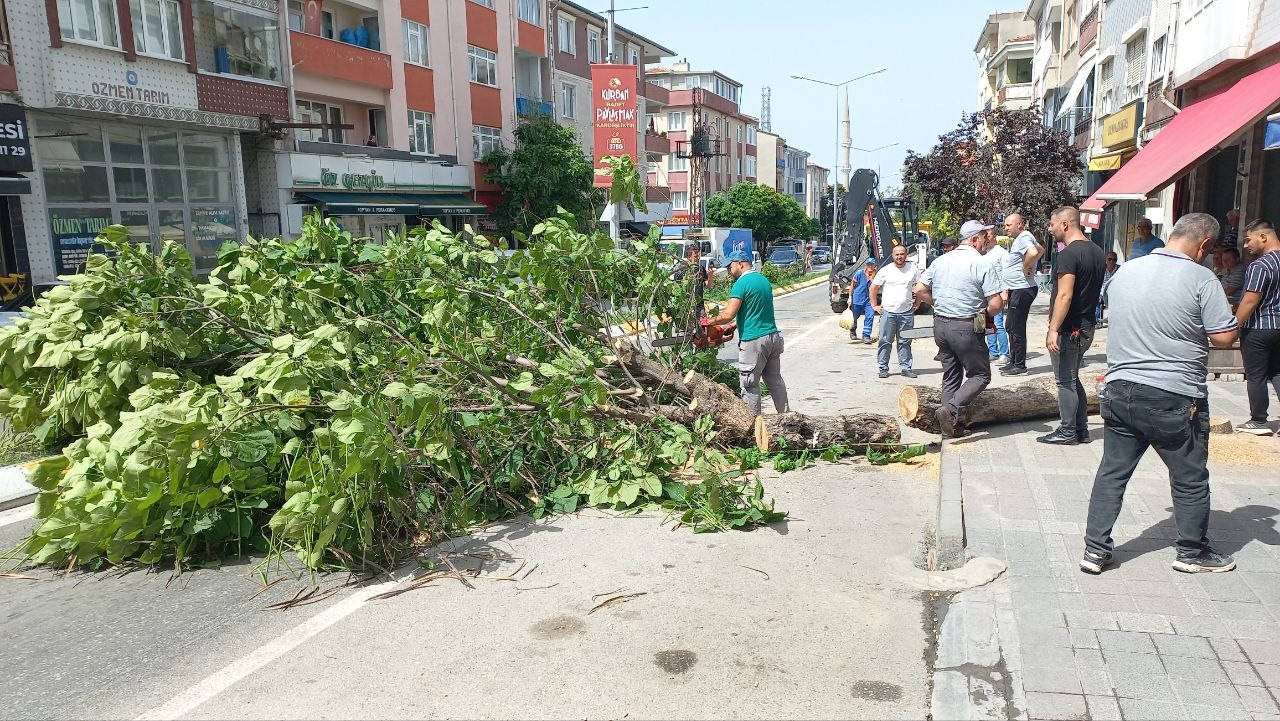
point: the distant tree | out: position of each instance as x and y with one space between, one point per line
769 214
824 209
996 161
547 168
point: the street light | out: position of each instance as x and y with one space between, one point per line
835 181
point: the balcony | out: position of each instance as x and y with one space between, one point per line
8 74
530 108
656 94
657 194
1088 31
654 143
332 59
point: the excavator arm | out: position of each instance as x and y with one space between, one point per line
873 239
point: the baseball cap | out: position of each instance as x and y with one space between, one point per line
949 240
972 228
738 256
870 261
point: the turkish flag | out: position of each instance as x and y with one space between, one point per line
312 20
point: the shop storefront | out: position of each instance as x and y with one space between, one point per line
163 183
369 197
15 159
1119 139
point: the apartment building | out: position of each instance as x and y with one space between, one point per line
1004 51
580 38
796 174
771 160
815 188
734 134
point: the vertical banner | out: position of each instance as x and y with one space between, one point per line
313 17
616 115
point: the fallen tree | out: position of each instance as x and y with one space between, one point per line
348 400
1029 400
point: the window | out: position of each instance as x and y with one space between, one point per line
751 135
92 21
739 133
635 57
1157 58
530 11
680 200
415 43
1135 62
797 188
564 36
486 3
751 166
725 89
296 19
593 45
484 66
568 100
311 111
675 121
1106 82
678 163
485 140
244 43
156 28
422 134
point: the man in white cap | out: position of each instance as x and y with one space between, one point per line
964 290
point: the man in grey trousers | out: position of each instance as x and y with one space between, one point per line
962 287
759 340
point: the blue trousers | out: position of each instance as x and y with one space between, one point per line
891 327
868 315
998 342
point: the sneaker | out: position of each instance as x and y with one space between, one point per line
1014 371
1082 435
853 335
908 373
1061 437
884 374
1209 561
1254 427
1094 562
946 421
868 341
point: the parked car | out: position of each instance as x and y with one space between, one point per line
821 255
784 257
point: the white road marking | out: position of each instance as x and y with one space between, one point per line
232 673
15 515
792 343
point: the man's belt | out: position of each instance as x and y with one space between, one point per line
963 320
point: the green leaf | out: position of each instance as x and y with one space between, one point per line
254 446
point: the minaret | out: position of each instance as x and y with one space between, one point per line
846 141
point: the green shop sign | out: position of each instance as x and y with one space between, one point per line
353 181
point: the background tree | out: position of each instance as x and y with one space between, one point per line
996 161
547 169
769 214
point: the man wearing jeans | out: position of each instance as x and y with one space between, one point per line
995 254
893 298
759 340
961 287
1077 285
1259 314
1020 280
1166 309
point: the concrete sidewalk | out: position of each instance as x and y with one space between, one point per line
1140 641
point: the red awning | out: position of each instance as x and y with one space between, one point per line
1190 136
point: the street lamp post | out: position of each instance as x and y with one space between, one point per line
834 182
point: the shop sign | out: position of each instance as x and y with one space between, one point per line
1121 129
682 219
15 139
615 116
130 90
75 233
371 180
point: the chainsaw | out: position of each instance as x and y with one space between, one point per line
706 335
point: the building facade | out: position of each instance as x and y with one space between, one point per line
796 174
817 179
1004 52
734 134
771 160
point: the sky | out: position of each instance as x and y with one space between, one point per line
926 46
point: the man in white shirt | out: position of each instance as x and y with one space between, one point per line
1019 279
996 255
893 299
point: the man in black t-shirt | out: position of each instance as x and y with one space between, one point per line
1077 283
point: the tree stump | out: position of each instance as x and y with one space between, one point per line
1030 400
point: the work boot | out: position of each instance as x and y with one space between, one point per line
908 373
1013 371
1082 435
946 421
1062 437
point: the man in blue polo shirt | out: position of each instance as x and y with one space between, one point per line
759 340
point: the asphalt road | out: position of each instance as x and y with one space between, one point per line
801 619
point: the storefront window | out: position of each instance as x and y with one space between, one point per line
242 43
138 176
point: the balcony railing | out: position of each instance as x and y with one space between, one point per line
1021 91
343 61
530 108
654 143
8 73
657 93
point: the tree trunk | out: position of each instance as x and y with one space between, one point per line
801 431
1029 400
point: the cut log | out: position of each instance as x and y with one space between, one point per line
1030 400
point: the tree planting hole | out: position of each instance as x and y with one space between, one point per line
675 661
876 691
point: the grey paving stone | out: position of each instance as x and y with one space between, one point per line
1227 649
1133 708
1073 602
1203 693
1212 713
1260 630
1149 622
1242 611
1090 619
1162 589
1103 708
1194 646
1056 620
1200 626
1047 656
1056 706
1033 584
1257 700
1163 605
1044 635
1194 669
1228 587
1125 663
1261 651
1099 584
1241 673
1050 679
950 695
1133 642
1084 638
1107 602
1270 674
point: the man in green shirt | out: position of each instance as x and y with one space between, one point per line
759 340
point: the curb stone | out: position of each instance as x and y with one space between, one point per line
14 489
949 529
